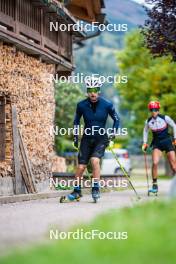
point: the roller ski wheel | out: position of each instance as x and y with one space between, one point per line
63 199
95 195
72 197
153 190
95 200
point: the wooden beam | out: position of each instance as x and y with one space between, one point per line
16 154
26 181
80 3
27 165
7 20
81 13
33 49
24 171
97 7
2 129
90 9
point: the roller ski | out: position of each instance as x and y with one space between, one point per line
73 196
153 190
95 193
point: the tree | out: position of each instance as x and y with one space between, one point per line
67 95
148 79
160 28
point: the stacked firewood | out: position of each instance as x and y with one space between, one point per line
59 164
27 82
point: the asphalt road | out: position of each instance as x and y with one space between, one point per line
27 222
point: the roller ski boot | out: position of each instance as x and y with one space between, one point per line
95 192
73 196
153 190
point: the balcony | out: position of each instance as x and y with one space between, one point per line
25 24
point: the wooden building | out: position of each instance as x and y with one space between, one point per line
29 54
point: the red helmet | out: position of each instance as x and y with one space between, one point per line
154 105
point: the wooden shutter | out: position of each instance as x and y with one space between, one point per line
2 129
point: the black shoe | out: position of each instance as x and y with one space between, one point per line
95 192
75 195
155 187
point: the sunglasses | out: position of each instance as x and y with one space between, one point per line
154 110
93 90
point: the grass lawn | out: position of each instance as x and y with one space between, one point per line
151 239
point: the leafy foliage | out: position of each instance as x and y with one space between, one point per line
148 79
67 96
160 28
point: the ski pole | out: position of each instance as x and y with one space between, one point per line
146 170
125 173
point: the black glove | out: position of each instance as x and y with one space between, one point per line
110 138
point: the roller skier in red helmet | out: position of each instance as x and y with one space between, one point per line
161 142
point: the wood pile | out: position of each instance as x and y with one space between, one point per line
59 164
6 164
26 81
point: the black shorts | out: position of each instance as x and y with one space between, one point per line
92 147
163 145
